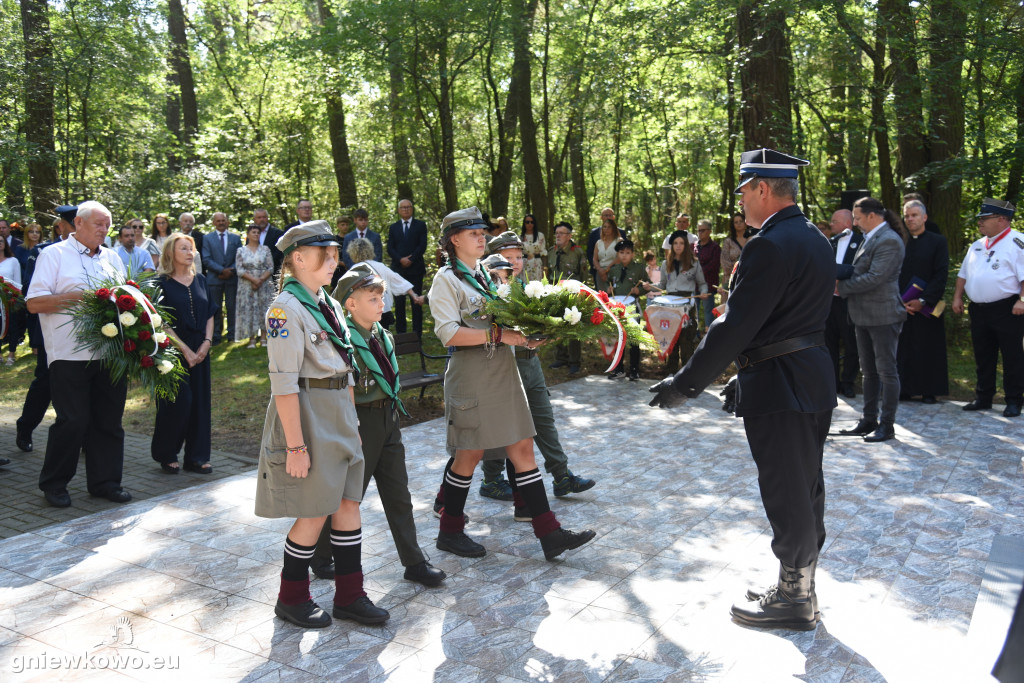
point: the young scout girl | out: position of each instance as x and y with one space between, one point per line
311 464
361 292
681 275
485 404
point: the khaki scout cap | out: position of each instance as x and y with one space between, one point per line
463 219
496 262
506 240
312 234
359 275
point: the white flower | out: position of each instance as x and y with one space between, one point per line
164 366
109 330
572 286
572 315
504 291
156 320
127 319
534 289
159 337
551 289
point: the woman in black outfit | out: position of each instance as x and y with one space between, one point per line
186 420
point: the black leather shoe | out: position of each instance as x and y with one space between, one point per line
306 615
425 573
848 391
324 571
5 461
23 442
885 432
1012 410
363 611
459 544
560 540
978 404
929 400
754 594
573 369
558 364
117 495
58 499
785 605
863 428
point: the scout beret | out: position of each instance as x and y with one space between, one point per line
312 234
996 207
628 244
506 240
67 212
767 163
359 275
463 219
496 262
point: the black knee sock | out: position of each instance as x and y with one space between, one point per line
456 488
510 472
439 498
296 561
347 548
531 487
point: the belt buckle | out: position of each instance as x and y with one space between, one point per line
742 361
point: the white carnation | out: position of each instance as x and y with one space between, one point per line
159 337
534 289
164 366
551 289
109 330
572 286
156 320
572 315
127 319
504 291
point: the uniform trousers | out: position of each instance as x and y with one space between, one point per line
840 331
37 400
570 352
185 420
228 291
556 462
877 345
994 330
787 447
89 409
384 461
417 311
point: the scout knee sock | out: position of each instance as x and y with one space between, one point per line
439 499
456 488
346 547
531 485
295 574
517 497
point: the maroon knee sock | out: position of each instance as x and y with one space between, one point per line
294 592
348 588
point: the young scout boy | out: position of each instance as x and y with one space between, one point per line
628 278
361 292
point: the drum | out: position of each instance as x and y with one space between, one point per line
625 299
666 317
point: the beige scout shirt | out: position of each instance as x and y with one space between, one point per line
454 303
296 348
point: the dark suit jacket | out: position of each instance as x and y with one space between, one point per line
197 237
413 245
782 289
216 260
270 241
353 234
872 292
845 269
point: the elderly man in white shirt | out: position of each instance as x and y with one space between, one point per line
89 406
360 250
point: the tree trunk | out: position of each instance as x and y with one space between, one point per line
532 170
399 138
444 112
887 184
729 175
343 174
42 156
947 117
183 109
911 144
1016 169
765 76
579 181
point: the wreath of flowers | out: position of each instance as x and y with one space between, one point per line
123 323
11 301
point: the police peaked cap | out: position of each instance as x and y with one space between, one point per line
767 163
996 207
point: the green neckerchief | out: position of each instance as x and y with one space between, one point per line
370 361
467 275
306 299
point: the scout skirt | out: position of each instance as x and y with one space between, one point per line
484 402
330 428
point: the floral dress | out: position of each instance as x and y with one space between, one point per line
251 304
535 252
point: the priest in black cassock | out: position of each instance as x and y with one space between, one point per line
921 355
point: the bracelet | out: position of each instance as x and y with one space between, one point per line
297 449
496 332
208 340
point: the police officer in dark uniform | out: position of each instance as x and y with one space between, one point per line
773 327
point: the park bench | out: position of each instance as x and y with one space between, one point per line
407 344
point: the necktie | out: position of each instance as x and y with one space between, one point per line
332 320
405 228
362 234
382 360
558 261
224 242
483 283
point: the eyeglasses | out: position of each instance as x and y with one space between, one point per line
528 222
703 230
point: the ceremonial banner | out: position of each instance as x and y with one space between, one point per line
666 317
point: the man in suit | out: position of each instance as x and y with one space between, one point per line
871 288
362 231
774 328
5 234
219 249
187 224
269 236
838 329
407 243
304 211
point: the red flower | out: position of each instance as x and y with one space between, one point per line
126 302
146 362
132 283
145 335
103 293
144 317
597 317
603 296
164 344
129 345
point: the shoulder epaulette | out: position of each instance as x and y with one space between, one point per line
1019 242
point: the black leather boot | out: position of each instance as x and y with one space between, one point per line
560 540
756 594
864 427
785 605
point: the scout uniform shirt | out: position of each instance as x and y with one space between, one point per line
994 268
368 389
566 263
624 278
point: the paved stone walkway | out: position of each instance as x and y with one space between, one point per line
681 533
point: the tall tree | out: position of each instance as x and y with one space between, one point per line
764 75
181 96
343 173
399 124
907 96
523 12
42 160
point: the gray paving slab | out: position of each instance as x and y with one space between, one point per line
914 526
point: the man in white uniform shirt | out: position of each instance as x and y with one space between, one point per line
992 275
88 405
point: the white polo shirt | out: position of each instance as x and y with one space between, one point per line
68 267
996 272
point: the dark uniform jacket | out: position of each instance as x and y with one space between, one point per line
568 263
622 279
782 289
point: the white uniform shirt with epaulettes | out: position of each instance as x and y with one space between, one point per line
454 303
298 346
994 272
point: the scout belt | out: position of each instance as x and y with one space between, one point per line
780 348
474 346
337 382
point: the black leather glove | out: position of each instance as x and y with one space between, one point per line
667 396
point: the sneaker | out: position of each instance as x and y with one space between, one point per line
573 369
616 374
571 483
498 489
558 364
438 509
633 375
522 514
